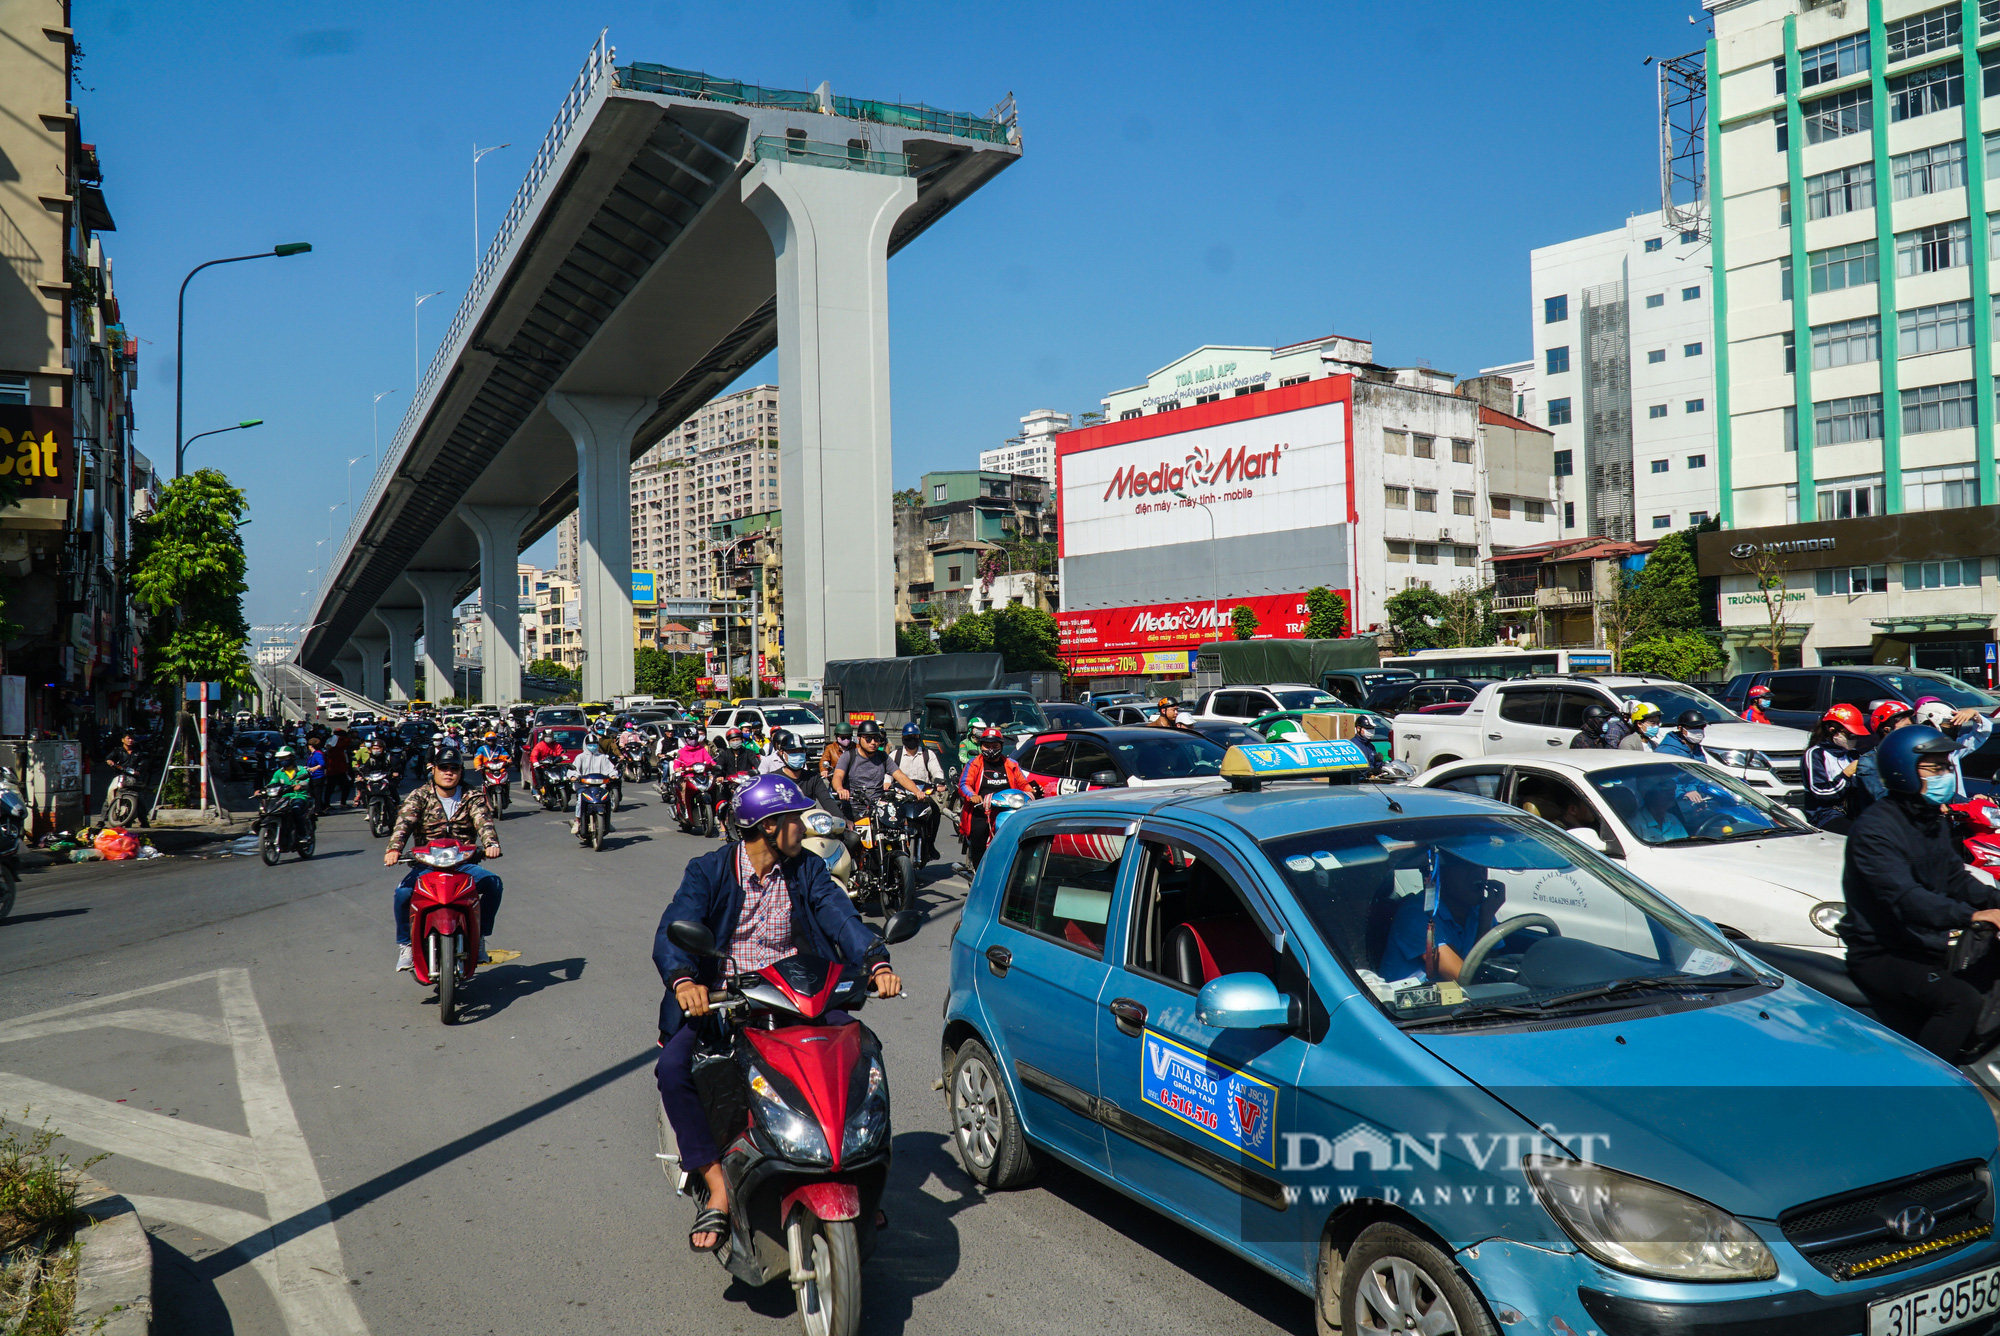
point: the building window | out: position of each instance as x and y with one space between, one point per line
1293 380
1946 488
1851 580
13 389
1840 267
1555 310
1534 511
1659 466
1927 171
1558 360
1465 556
1939 407
937 491
1838 421
1396 498
1423 447
1398 552
1791 352
1564 465
1697 517
1784 206
1426 553
1697 461
1929 329
1500 507
1655 299
1940 574
1690 294
1427 501
1207 398
1845 113
1989 17
1850 498
1461 450
1569 514
1655 355
1558 412
1656 411
1663 521
1167 406
1846 342
1921 92
1783 130
1652 244
1131 413
1695 406
1461 503
1691 350
1921 34
1395 442
1829 61
1842 190
951 574
1930 250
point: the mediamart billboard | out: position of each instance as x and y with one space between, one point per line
1246 498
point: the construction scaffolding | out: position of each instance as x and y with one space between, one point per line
1684 142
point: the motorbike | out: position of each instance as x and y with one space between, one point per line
632 763
887 871
498 790
594 816
1976 822
444 922
694 800
286 823
555 786
14 814
123 799
976 828
799 1103
378 795
824 836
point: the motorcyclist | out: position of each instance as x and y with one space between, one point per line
1906 891
631 742
1684 740
865 773
1643 729
1596 731
764 898
781 741
736 759
291 774
841 744
693 751
442 810
968 746
986 774
923 768
491 748
1967 729
1833 796
1169 715
795 764
545 753
1759 697
126 754
1884 717
592 760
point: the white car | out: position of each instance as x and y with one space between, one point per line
1702 838
339 713
1241 704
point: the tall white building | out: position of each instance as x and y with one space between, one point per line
1624 375
1033 452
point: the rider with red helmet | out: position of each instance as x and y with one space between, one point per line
1753 713
986 774
1834 797
1884 718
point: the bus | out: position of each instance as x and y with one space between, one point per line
1500 661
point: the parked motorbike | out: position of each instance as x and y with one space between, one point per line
498 790
594 815
378 796
694 800
123 800
444 922
799 1102
286 823
555 786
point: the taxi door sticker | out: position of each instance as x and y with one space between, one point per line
1235 1108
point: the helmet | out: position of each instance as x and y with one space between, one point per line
913 729
1900 752
1759 690
1935 714
768 796
782 740
283 754
1594 717
1168 701
868 728
1883 711
1640 711
448 757
733 735
1691 719
843 730
1848 717
991 737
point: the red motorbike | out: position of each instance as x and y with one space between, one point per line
444 922
799 1104
694 800
498 790
1976 821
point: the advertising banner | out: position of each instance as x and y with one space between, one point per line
1162 626
644 587
1172 663
36 450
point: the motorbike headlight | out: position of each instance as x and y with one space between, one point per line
819 821
870 1123
1826 916
796 1135
1645 1228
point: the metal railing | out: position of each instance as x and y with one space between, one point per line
997 127
813 153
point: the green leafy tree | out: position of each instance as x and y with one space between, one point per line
1326 614
1026 638
1686 655
1669 586
1469 622
682 675
969 634
1243 621
1417 619
651 669
188 572
913 641
550 668
740 686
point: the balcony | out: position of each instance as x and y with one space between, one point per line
1566 598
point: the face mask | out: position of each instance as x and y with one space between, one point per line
1694 736
1941 789
795 760
590 747
1652 732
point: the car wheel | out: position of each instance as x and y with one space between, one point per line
1394 1281
985 1130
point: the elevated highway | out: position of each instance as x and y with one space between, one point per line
671 231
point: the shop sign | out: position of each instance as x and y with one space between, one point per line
36 450
1163 626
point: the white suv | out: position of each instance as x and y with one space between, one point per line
1240 704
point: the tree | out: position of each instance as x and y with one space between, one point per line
971 633
1416 618
1687 655
913 641
651 669
1767 572
1026 638
1326 614
1669 586
549 668
1625 616
1243 621
188 573
1468 617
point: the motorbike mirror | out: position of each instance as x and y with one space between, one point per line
902 926
691 937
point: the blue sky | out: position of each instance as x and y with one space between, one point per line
1192 174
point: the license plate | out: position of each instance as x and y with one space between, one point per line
1946 1305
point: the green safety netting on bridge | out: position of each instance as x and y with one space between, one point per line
646 78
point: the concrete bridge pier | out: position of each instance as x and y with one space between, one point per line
830 228
439 590
499 529
371 647
603 426
348 664
402 625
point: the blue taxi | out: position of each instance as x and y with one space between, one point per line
1429 1060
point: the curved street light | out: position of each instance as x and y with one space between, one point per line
477 154
417 339
180 322
180 451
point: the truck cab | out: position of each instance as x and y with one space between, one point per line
947 715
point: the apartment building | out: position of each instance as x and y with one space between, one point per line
1624 374
956 516
1849 167
1033 452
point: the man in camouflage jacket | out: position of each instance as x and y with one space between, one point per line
444 809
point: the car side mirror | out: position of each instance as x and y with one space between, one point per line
691 937
902 926
1587 836
1244 1002
1108 779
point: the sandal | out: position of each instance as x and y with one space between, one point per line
710 1221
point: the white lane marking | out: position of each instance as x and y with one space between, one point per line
92 1003
171 1143
155 1020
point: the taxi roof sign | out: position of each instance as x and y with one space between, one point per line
1248 767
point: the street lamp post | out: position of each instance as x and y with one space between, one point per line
376 412
477 154
417 338
350 485
1214 564
180 451
329 526
180 322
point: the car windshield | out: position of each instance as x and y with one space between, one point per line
1392 675
1305 698
1950 690
1285 728
1013 713
1674 701
1682 803
559 717
1170 756
1482 917
571 738
1229 735
788 717
257 739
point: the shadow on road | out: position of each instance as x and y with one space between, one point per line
184 1296
46 914
498 987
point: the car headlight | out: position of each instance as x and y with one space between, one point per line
1737 757
1645 1228
796 1135
870 1122
1826 916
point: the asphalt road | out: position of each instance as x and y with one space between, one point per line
317 1154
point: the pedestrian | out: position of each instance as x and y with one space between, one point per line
316 774
340 769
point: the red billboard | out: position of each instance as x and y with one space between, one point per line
1160 626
